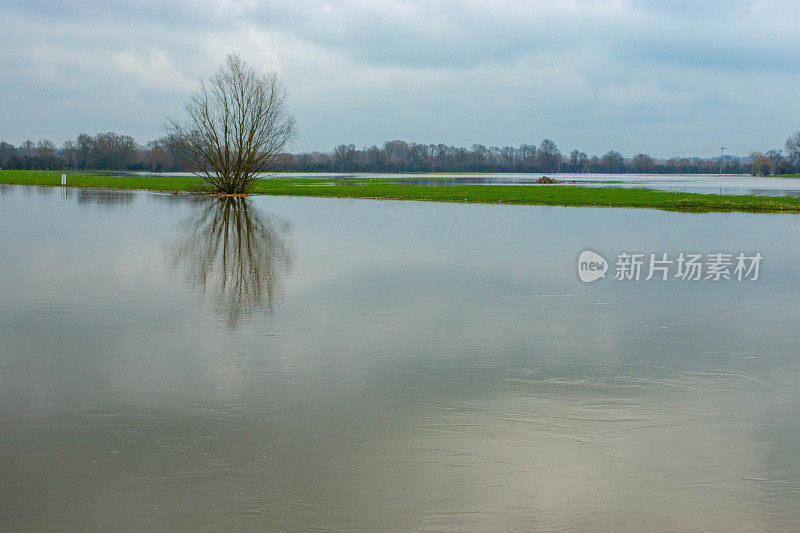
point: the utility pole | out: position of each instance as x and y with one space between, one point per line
721 158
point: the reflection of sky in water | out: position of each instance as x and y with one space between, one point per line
427 365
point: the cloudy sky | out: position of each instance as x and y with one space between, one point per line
664 77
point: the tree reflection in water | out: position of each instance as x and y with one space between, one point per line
109 198
236 255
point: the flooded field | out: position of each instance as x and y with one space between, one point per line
696 183
301 364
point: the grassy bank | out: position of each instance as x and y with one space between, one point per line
500 194
47 178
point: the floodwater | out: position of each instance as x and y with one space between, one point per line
303 364
702 184
696 183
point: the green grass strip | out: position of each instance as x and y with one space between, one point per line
556 195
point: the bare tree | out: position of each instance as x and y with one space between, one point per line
237 126
45 149
69 153
527 157
345 157
157 157
377 158
776 158
613 162
760 164
548 155
578 160
642 163
112 152
793 147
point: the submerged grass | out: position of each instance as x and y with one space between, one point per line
556 195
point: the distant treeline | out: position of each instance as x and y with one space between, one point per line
109 151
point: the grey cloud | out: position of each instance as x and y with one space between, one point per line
643 75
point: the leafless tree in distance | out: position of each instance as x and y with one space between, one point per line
793 147
237 125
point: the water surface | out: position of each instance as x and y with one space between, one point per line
303 364
694 183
